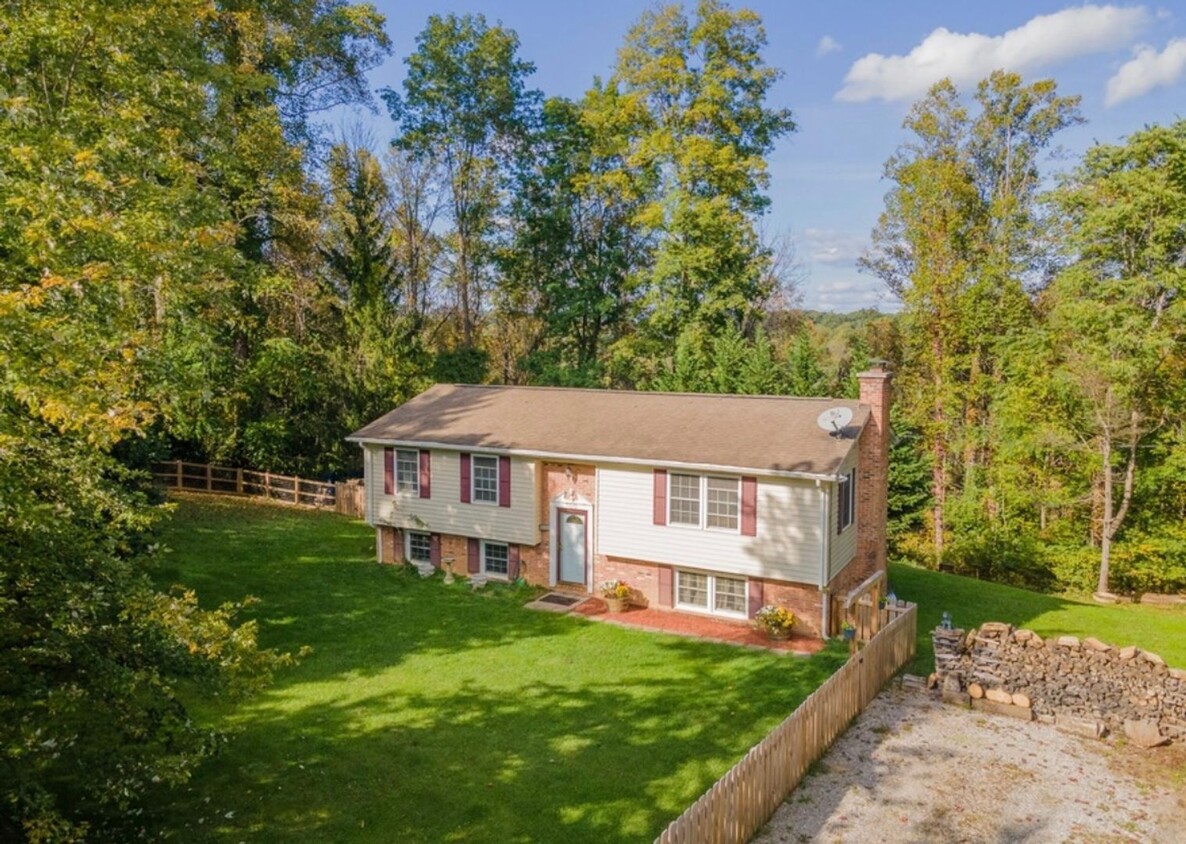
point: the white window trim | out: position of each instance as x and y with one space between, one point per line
473 479
496 575
408 545
712 594
415 488
704 503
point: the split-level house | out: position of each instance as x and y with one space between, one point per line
700 503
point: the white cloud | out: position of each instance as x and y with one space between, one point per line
826 45
828 246
843 295
969 57
1146 70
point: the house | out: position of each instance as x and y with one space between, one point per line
700 503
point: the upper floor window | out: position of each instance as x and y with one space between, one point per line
724 503
704 502
485 479
684 496
407 471
846 496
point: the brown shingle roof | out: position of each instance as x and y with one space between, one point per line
749 432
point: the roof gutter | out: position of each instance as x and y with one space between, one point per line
599 458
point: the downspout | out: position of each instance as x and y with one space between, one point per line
825 547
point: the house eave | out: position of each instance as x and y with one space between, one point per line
602 459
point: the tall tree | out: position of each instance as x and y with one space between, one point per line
1117 313
959 238
465 103
687 107
572 250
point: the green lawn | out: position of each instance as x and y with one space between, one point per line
429 713
972 602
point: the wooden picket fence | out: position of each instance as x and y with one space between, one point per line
347 497
743 799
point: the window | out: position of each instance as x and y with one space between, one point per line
685 500
692 590
485 483
721 497
407 471
729 595
846 500
724 503
495 559
711 593
419 547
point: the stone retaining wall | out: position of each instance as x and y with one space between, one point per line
1088 684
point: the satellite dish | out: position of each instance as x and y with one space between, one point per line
834 420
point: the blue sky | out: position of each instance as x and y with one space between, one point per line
852 70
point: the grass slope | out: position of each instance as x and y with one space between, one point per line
973 602
429 713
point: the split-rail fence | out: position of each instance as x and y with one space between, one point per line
347 497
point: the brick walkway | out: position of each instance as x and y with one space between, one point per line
697 626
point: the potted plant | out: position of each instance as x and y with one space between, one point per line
616 595
850 630
776 622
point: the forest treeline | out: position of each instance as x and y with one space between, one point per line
194 264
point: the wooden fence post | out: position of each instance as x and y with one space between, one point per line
267 485
239 481
209 478
180 483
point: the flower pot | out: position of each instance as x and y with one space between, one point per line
616 604
850 634
778 635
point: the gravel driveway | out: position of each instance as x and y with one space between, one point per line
911 769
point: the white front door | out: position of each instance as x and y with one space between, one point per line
571 546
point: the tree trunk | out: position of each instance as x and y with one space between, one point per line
1106 520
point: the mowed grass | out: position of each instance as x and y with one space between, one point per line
428 713
973 602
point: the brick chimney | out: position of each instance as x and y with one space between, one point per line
873 468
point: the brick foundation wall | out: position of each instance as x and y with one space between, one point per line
391 544
803 600
643 578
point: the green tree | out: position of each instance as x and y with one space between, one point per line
1117 316
961 235
465 104
686 110
572 250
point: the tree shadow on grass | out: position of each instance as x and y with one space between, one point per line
595 760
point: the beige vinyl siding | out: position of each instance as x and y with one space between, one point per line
843 545
786 547
444 512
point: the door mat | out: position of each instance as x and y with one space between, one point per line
557 602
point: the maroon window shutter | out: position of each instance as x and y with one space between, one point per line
755 597
504 481
389 471
426 474
512 562
465 483
660 498
665 599
749 506
434 549
473 562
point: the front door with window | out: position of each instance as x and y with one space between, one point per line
572 546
